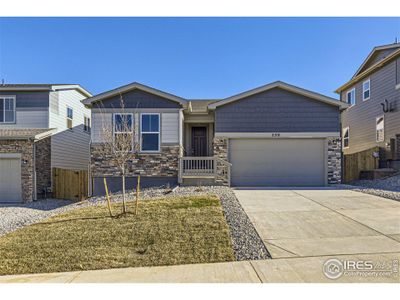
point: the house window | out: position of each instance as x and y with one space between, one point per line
366 89
123 131
150 132
346 136
380 129
7 109
351 97
86 123
70 117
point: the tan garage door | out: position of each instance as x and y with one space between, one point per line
10 179
277 162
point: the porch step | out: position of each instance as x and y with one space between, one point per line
377 174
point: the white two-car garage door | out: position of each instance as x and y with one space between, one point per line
10 179
277 162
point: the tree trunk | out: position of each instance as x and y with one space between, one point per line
137 195
108 197
123 191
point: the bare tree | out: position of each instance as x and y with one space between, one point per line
119 142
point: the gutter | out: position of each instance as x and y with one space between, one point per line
368 71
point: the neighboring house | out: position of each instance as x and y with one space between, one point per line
42 126
274 135
373 118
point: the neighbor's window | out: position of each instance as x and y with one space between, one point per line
7 109
150 132
86 123
380 129
366 89
346 137
70 117
123 131
351 97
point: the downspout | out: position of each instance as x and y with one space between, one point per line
180 137
34 169
341 148
181 118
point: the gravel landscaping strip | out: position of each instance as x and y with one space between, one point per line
14 216
246 242
387 187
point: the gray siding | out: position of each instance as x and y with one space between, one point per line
277 110
398 71
361 118
70 148
32 118
378 56
137 99
29 99
169 128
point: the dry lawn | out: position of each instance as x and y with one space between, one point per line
165 232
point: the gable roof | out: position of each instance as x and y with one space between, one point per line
388 49
371 69
130 87
199 105
285 86
43 87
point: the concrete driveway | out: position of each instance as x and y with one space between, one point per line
322 221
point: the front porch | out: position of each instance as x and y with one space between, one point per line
199 164
207 170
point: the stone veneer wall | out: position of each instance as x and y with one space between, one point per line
164 163
334 160
43 165
220 148
26 149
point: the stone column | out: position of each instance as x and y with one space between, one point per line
334 160
220 147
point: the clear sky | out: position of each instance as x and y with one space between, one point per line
190 57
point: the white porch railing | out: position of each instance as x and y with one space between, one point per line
197 166
205 166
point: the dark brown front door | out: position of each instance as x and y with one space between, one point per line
199 141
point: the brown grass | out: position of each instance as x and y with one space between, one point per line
166 232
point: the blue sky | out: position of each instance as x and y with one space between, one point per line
190 57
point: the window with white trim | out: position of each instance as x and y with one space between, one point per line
7 109
150 132
351 97
380 129
346 137
123 131
366 89
70 117
86 123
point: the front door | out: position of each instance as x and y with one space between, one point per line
199 141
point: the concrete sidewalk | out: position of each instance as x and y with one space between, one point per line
304 269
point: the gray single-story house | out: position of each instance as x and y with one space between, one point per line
275 135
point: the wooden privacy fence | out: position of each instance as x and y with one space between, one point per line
70 184
354 163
